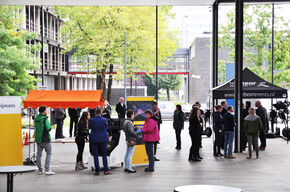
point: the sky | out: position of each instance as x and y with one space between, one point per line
192 21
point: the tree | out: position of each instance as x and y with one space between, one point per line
169 82
16 57
257 43
99 31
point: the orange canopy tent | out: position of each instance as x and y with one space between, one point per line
64 99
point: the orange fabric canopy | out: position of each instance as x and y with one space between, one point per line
64 99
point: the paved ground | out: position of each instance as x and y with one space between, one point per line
269 173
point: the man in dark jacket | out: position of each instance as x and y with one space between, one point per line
156 116
229 133
98 139
43 139
218 127
243 136
262 113
74 115
224 107
121 109
59 115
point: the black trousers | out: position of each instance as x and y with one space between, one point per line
81 145
73 123
178 138
218 137
195 142
58 131
262 136
156 143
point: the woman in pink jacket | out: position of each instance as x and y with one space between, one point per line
150 136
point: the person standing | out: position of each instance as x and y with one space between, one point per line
98 139
252 126
81 137
262 113
121 109
224 105
60 115
218 131
150 136
74 115
158 118
43 140
243 136
229 133
194 132
178 125
131 138
201 117
106 113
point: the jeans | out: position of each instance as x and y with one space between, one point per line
81 145
58 131
149 151
178 139
73 123
95 148
253 140
47 148
263 138
128 157
228 145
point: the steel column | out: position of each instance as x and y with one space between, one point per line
42 46
156 54
238 70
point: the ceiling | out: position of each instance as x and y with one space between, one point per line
110 2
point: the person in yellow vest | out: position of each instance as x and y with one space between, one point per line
43 140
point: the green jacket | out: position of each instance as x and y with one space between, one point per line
252 124
39 122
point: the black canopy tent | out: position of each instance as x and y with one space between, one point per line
253 87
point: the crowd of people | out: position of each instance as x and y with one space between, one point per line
255 124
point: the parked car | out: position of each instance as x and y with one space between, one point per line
167 109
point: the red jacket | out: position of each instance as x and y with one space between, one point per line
150 131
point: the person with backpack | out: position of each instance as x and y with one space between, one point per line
43 140
252 126
131 139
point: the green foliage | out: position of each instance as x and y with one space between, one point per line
99 31
16 57
257 37
169 82
151 88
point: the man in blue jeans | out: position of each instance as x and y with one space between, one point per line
98 140
229 133
43 140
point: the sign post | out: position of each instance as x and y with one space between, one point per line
10 131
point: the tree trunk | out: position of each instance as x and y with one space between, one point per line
109 93
99 80
168 94
103 83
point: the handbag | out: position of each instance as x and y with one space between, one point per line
132 142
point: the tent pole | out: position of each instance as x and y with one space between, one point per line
215 44
238 69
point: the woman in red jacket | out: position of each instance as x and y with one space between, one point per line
150 136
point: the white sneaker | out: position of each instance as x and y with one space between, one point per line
49 172
40 173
